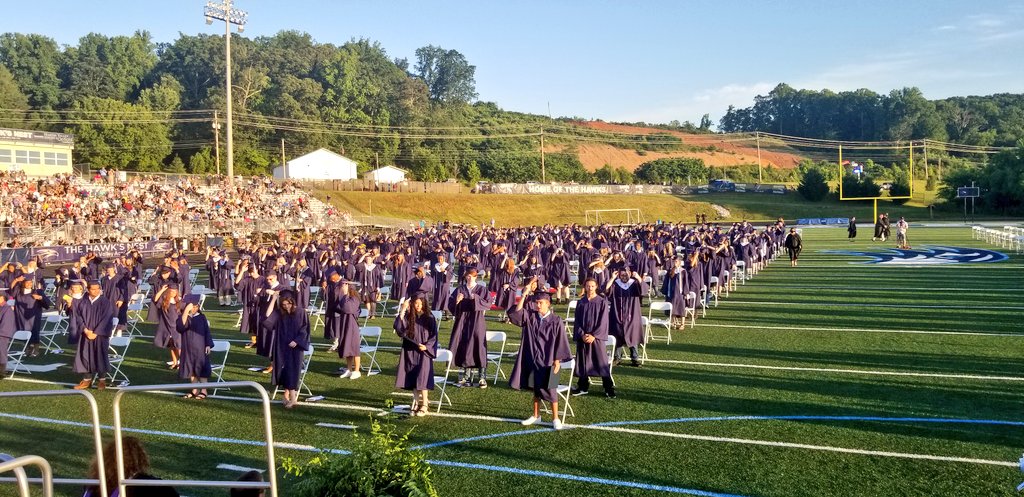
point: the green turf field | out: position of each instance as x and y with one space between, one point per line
827 379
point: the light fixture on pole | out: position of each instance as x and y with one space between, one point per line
224 12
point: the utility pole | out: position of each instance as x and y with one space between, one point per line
216 139
224 12
757 136
376 160
543 173
926 159
284 165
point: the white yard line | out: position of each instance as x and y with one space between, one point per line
825 448
861 330
840 370
887 306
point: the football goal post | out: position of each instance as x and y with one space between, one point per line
613 216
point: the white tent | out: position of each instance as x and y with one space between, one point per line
319 164
386 174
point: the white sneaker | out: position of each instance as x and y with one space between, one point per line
346 374
557 424
355 375
529 421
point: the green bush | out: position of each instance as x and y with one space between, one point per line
813 186
930 183
379 465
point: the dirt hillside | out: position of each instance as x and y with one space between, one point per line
596 155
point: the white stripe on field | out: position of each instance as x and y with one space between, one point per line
876 288
888 306
839 370
309 448
864 330
239 469
340 427
791 445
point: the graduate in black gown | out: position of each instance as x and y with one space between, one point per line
268 296
794 245
29 304
166 335
247 282
417 328
626 294
468 303
441 272
590 332
7 329
851 229
196 342
544 347
292 341
346 328
97 313
115 290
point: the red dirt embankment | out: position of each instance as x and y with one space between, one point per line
596 155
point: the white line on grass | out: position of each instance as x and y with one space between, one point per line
239 469
340 427
892 306
901 288
839 370
864 330
457 464
826 448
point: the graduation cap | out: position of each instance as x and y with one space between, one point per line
287 294
541 295
93 282
166 269
271 273
191 299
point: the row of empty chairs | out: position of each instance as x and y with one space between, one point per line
1009 237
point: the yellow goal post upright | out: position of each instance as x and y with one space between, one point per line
842 174
595 217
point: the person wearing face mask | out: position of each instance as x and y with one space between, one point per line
95 317
29 305
292 341
196 343
468 303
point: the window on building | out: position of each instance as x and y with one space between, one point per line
34 157
21 156
62 159
5 156
50 158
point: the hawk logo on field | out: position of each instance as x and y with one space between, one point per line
931 255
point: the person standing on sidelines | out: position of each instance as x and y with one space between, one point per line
901 233
851 229
794 245
95 317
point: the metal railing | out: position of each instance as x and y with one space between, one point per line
97 441
18 467
123 483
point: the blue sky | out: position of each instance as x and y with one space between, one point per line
651 61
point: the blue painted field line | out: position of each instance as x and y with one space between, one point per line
481 437
586 479
455 464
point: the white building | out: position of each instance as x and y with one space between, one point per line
319 164
386 174
37 153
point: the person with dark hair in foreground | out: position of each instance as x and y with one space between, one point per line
251 476
136 467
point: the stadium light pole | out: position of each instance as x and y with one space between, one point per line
224 12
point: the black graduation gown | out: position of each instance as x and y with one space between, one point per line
29 313
416 367
287 360
195 337
591 318
469 333
543 343
91 357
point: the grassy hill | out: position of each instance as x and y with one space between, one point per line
512 210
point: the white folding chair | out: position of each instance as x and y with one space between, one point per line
563 391
217 370
53 326
714 287
495 357
307 358
385 295
314 296
444 356
135 313
364 314
119 346
316 316
609 345
690 309
238 323
570 315
192 275
702 301
15 358
202 300
741 273
437 319
370 338
652 321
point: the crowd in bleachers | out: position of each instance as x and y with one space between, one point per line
67 199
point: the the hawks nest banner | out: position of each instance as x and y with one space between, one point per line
68 253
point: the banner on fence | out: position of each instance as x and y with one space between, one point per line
823 221
58 254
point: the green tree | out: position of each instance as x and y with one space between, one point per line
177 165
202 162
813 186
604 175
127 136
472 173
108 67
448 75
163 96
34 61
13 102
900 186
